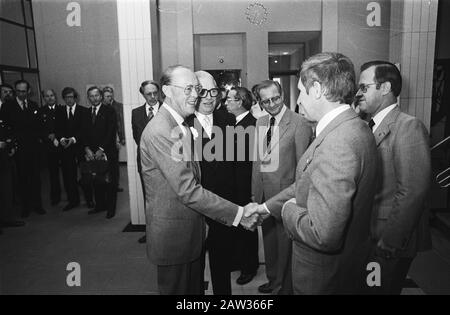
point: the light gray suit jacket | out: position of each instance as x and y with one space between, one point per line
176 202
330 221
400 215
294 137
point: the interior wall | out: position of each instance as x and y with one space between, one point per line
224 17
80 55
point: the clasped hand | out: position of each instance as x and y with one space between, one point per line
253 216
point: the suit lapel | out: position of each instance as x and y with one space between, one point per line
308 156
384 129
282 128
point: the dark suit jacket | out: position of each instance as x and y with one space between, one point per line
400 215
101 134
47 118
68 129
138 123
118 107
329 222
243 169
25 124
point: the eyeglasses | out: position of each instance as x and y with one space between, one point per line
233 99
212 92
363 87
189 88
274 99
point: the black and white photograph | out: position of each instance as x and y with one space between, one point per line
226 153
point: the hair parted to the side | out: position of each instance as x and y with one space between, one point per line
266 84
335 73
244 95
95 88
386 71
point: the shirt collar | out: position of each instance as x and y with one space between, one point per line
241 116
176 116
279 115
72 108
381 115
203 116
329 117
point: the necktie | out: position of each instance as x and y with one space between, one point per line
70 114
371 124
93 115
150 113
269 132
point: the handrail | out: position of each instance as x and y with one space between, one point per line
442 182
440 143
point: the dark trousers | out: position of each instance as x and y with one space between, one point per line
53 158
6 187
70 175
29 180
278 256
183 279
393 274
248 250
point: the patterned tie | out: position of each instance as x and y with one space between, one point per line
150 113
269 132
371 124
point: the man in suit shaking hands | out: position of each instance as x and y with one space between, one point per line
327 211
176 202
399 226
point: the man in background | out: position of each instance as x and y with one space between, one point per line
400 226
284 147
100 145
21 115
109 100
52 152
140 117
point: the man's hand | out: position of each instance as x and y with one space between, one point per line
253 208
89 154
385 251
122 142
250 219
51 137
99 154
63 142
69 142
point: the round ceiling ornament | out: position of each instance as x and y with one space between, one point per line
256 13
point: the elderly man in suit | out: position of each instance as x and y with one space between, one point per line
21 115
289 144
176 202
140 117
100 141
399 226
327 211
69 121
217 177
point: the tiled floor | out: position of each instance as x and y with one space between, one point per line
33 259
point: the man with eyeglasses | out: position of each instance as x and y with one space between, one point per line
21 114
294 135
399 227
140 117
176 202
216 176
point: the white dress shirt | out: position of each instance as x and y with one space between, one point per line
68 110
241 116
155 108
329 117
180 121
206 121
257 112
381 115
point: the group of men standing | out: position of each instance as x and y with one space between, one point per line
344 192
76 140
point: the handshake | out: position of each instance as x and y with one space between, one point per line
254 214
